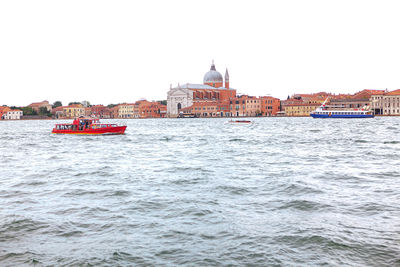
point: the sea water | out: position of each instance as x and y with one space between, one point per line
202 192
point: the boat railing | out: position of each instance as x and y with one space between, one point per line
103 125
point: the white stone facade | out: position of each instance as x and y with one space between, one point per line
13 115
178 98
387 104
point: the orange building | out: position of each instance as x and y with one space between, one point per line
114 112
100 111
245 105
3 112
270 106
58 112
152 109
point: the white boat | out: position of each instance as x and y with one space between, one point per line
324 111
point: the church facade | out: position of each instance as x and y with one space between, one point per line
210 99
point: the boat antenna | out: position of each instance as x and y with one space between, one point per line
326 100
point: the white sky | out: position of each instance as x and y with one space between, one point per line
121 51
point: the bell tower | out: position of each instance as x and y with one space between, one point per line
226 79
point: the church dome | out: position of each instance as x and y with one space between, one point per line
213 76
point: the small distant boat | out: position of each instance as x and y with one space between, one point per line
89 126
323 112
240 121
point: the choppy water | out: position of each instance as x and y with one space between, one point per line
202 192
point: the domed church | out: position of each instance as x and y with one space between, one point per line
210 99
214 78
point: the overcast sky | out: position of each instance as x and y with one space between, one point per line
121 51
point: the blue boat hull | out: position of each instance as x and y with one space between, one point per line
341 116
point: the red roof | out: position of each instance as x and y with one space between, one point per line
366 93
186 109
37 104
395 92
4 109
304 104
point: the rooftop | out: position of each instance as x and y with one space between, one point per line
395 92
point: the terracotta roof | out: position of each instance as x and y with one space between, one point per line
127 104
291 100
74 106
346 100
305 104
395 92
4 109
45 102
187 108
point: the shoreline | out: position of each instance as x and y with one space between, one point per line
53 119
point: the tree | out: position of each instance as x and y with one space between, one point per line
111 105
73 103
43 111
162 102
28 111
57 104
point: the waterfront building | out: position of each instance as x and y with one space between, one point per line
270 106
88 111
58 112
136 110
212 98
300 109
114 112
349 103
252 106
313 98
210 109
100 111
73 111
7 113
44 104
290 101
238 106
301 104
126 111
245 106
386 103
147 109
358 100
3 112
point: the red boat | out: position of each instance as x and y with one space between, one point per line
88 126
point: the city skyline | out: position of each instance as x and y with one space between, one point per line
119 52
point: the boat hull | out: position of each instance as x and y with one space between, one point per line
98 131
240 122
342 116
